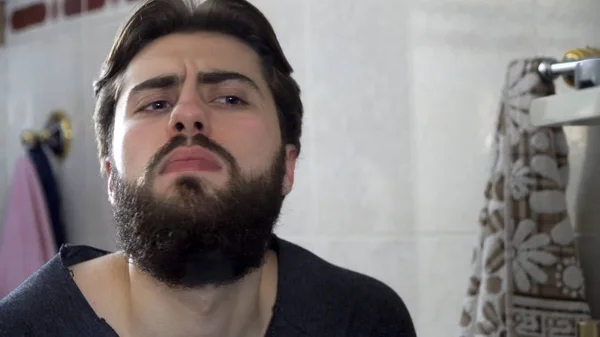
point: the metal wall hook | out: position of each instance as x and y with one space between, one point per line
57 135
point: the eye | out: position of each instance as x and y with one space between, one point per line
231 100
157 105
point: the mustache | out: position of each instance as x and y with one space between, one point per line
197 140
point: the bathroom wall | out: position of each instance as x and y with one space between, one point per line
401 99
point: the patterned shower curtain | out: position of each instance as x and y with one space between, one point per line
526 277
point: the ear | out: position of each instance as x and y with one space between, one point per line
108 170
291 154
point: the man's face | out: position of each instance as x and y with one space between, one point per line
198 170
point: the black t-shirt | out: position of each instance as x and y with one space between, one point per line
314 299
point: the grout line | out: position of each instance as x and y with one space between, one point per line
381 237
396 237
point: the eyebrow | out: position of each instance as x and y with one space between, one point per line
213 77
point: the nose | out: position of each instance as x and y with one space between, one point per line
188 118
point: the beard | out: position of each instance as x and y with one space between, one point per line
197 237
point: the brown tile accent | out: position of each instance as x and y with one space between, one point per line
72 7
93 5
2 21
50 9
28 16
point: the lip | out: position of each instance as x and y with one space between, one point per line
202 159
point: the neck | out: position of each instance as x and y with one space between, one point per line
240 309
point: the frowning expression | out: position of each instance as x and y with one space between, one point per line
190 84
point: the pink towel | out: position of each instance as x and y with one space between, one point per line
26 242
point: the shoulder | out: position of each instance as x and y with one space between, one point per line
33 302
361 303
49 303
379 311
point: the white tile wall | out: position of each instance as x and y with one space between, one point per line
3 135
443 270
361 130
401 99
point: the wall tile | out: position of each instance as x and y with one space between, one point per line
3 22
443 263
359 100
12 4
458 67
72 7
94 5
454 125
29 16
4 159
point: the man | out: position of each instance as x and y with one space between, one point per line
198 125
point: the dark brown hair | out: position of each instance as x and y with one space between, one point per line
237 18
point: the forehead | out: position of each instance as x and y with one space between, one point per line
177 53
